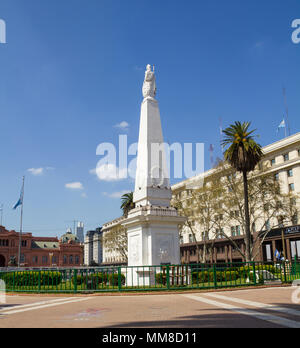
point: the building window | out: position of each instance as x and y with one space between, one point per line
292 187
286 157
268 225
65 259
77 260
22 258
220 233
71 259
191 238
235 231
44 260
290 173
295 249
4 242
35 259
54 259
277 177
232 231
273 162
24 243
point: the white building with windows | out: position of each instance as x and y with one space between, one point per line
281 159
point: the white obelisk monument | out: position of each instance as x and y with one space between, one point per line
152 227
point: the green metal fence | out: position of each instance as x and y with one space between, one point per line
150 278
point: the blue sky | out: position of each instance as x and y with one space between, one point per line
71 70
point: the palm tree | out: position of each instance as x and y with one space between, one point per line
127 203
243 153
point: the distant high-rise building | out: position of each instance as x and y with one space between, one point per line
93 247
80 231
97 246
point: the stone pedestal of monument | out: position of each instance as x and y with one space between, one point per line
152 227
153 240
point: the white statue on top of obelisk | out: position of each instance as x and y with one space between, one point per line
149 86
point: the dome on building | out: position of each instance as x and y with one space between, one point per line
69 237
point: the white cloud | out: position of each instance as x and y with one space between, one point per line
123 125
84 195
36 171
74 186
39 171
110 172
116 194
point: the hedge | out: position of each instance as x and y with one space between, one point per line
208 276
95 278
31 278
270 268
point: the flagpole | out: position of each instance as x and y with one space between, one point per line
285 128
21 225
1 209
287 111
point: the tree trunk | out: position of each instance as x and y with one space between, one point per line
247 218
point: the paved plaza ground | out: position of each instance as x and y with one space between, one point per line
262 308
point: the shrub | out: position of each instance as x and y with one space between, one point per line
31 278
208 276
203 277
114 279
232 275
161 278
244 271
94 278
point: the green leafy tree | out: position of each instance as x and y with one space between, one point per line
243 153
127 203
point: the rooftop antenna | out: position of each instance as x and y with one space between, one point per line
286 110
74 225
211 152
221 133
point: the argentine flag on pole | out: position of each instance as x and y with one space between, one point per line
282 125
20 201
277 255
